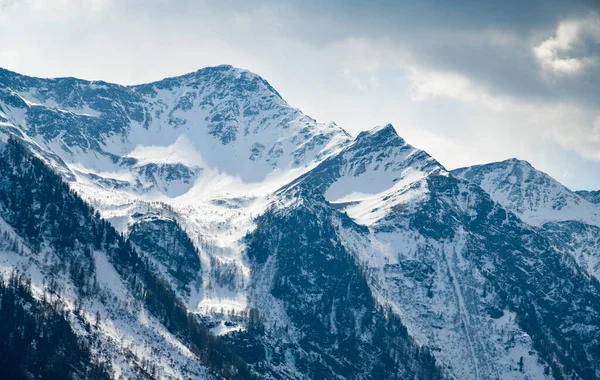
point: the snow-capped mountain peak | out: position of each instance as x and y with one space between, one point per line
225 78
373 174
531 194
592 196
386 130
257 131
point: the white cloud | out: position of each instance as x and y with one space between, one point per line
427 84
448 151
555 53
56 5
480 124
507 118
596 129
362 81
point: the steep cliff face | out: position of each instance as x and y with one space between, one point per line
569 219
163 242
313 254
320 318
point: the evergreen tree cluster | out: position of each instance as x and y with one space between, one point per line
165 242
36 339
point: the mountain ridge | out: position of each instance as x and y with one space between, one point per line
592 196
530 193
290 238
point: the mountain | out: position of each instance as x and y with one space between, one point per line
435 250
219 232
590 196
533 195
569 219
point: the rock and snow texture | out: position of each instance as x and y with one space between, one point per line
570 219
167 131
443 299
531 194
373 174
590 196
210 145
216 164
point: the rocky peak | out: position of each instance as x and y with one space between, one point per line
225 79
533 195
590 196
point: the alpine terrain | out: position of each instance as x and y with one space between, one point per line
200 227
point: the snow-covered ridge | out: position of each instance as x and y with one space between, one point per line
376 172
259 133
571 220
531 194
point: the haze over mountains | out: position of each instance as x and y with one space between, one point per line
205 228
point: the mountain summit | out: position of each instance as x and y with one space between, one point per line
533 195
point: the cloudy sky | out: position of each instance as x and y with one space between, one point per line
470 82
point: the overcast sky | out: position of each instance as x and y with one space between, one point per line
469 82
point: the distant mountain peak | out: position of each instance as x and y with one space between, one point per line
533 195
379 138
516 161
223 78
592 196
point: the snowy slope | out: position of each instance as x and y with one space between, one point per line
374 173
533 195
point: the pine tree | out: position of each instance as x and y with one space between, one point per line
521 364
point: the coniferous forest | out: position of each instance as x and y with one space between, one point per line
36 340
